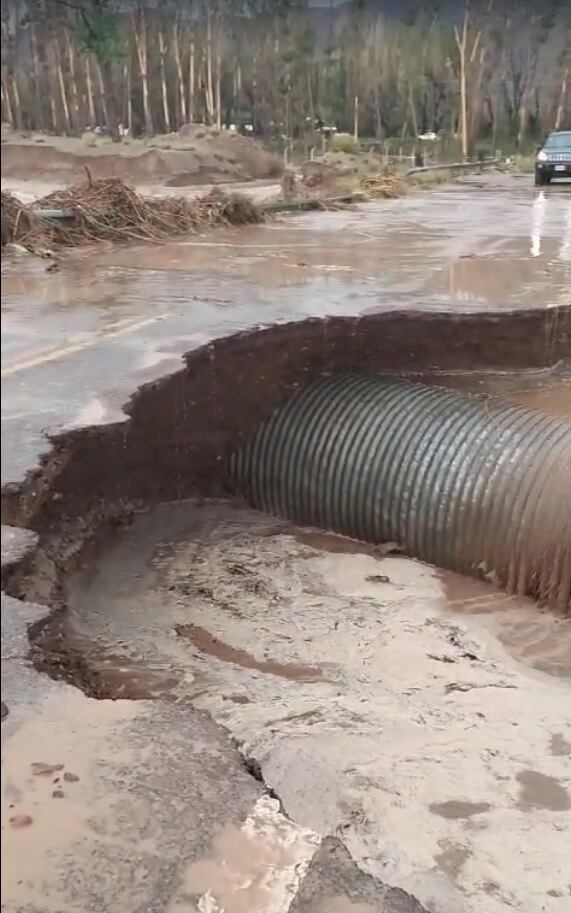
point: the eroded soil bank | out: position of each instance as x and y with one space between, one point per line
181 429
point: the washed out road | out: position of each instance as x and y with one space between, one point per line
297 723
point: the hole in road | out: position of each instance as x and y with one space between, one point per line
124 632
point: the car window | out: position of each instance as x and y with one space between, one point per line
559 141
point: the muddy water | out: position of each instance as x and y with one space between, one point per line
536 637
114 603
210 645
303 254
79 339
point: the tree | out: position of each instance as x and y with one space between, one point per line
97 28
471 54
501 71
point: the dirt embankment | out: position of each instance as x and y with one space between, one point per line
198 155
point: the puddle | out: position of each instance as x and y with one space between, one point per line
488 280
211 645
63 652
540 791
284 255
456 808
560 746
256 868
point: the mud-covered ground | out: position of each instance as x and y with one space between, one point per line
202 155
297 722
378 696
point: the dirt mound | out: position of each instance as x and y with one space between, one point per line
244 151
207 157
110 210
322 176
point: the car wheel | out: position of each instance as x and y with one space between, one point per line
541 179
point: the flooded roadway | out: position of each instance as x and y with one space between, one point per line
420 719
78 341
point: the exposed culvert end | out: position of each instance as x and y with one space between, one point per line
466 483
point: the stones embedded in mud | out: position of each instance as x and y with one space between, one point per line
69 777
41 769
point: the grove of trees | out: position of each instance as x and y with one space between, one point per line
494 72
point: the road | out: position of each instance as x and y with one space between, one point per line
404 776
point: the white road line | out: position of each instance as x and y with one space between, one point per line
40 358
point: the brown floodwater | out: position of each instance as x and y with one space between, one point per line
211 645
538 637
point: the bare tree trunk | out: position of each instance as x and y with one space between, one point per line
53 110
412 109
105 76
522 116
356 118
102 97
164 91
73 84
562 98
63 96
209 94
191 83
17 103
461 43
40 120
181 91
217 83
7 102
379 131
128 106
89 93
476 93
310 104
140 36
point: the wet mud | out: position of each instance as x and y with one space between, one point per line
416 710
109 638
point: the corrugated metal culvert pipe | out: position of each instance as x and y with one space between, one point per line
475 485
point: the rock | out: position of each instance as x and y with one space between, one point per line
41 769
21 820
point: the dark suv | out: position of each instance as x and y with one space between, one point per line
554 158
